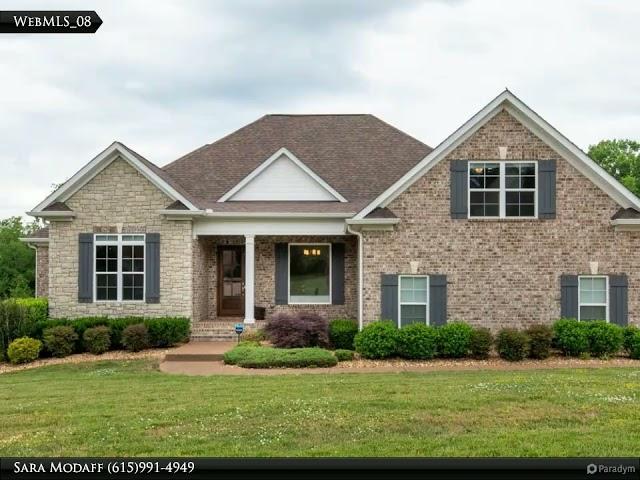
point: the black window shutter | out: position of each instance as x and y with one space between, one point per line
282 273
337 273
152 268
569 296
437 299
459 185
389 298
85 268
618 299
547 189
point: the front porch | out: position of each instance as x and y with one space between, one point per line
247 278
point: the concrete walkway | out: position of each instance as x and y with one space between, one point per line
199 352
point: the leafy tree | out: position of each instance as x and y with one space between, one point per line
620 158
17 260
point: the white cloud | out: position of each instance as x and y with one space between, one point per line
167 77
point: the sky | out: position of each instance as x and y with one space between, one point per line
165 77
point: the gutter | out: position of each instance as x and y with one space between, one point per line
56 215
360 273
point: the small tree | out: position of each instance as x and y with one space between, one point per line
621 159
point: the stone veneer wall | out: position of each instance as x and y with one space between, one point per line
42 271
506 272
120 195
205 276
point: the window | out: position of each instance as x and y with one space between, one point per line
502 189
593 298
119 267
413 300
310 273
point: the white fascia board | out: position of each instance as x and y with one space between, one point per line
53 215
181 213
34 241
99 163
535 123
626 224
373 221
268 226
269 161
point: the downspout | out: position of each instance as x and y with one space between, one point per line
360 272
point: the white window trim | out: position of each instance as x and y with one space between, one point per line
605 305
330 302
119 243
400 302
502 189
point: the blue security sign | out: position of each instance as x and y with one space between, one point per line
239 328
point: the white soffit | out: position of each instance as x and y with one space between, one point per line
283 178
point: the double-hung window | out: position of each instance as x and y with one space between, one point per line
413 305
593 298
502 189
119 267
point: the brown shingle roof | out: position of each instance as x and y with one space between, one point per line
40 233
626 213
358 155
381 213
57 207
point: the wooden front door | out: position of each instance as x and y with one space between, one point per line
231 281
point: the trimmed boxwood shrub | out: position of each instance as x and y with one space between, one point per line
540 338
605 339
342 332
343 355
480 343
97 340
24 350
268 357
60 341
628 337
512 344
633 344
166 332
571 337
377 340
299 330
417 341
135 337
454 339
117 326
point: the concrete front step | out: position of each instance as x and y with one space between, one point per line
222 330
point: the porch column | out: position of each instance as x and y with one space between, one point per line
249 278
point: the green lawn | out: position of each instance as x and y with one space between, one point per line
129 408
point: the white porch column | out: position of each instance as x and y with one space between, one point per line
249 278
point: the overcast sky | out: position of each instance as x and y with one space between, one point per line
166 77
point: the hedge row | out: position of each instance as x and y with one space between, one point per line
249 356
18 318
456 340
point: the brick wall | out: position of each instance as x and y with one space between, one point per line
205 276
120 195
506 272
42 271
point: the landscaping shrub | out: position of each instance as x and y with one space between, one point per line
117 326
540 338
42 325
604 338
24 350
571 337
628 337
633 344
341 333
14 323
248 343
417 341
36 309
166 332
377 340
97 340
60 341
454 339
343 355
135 337
297 331
256 335
267 357
480 343
512 344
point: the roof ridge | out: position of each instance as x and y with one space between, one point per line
319 115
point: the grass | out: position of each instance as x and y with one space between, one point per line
129 408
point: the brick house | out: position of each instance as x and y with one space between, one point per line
505 223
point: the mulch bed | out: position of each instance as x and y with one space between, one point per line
158 353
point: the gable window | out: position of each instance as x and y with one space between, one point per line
502 189
593 298
413 300
119 267
310 273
